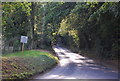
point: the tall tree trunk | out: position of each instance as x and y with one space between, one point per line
32 24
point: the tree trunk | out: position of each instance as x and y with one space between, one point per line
32 24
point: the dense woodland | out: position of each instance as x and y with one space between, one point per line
88 26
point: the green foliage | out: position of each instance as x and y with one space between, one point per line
106 24
86 25
14 18
95 27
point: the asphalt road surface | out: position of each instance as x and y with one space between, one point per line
74 66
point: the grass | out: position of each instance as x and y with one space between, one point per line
20 65
28 53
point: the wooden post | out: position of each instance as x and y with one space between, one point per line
22 48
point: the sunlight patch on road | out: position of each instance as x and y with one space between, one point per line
52 76
56 50
64 62
58 77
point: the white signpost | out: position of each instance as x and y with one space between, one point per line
23 40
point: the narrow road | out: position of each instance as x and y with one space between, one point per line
74 66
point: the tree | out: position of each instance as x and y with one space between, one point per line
15 16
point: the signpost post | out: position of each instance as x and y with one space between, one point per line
23 40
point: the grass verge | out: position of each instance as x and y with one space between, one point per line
23 65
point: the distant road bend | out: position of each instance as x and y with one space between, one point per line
75 66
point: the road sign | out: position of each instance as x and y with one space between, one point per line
24 39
